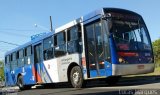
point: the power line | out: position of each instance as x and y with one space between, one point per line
12 29
4 46
3 50
16 29
15 34
9 43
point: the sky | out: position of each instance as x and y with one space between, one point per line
20 19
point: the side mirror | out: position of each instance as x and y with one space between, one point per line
106 16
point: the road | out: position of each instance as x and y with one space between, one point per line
127 86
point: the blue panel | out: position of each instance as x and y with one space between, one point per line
28 75
108 67
93 73
114 57
102 72
11 78
8 78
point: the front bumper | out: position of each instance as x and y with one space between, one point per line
130 69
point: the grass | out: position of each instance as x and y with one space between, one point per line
156 70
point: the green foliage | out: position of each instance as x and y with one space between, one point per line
156 50
1 71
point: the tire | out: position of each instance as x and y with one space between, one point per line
21 85
112 80
76 77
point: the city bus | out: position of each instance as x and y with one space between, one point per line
105 44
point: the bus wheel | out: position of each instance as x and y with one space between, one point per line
76 77
20 83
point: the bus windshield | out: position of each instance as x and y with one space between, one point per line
130 34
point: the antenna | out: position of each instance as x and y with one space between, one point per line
51 23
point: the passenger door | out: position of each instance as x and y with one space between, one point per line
94 49
38 62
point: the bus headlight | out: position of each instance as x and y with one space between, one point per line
121 60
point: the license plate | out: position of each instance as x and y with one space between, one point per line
140 66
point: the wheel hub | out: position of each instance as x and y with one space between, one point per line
76 77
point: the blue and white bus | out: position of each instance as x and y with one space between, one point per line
105 44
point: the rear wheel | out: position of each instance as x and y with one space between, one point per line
76 77
21 85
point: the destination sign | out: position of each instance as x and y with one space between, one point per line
124 16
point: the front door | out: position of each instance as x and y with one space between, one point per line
94 50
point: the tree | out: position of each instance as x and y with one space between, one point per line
1 71
156 50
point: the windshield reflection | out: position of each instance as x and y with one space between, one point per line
130 35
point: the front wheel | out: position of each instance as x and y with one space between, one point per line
76 77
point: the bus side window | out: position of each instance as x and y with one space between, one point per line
48 48
60 44
20 58
10 59
28 55
13 61
73 39
7 61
